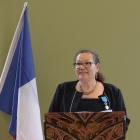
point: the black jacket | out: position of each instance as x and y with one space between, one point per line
67 100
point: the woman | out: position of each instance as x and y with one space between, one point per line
89 92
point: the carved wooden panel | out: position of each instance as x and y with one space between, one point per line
84 126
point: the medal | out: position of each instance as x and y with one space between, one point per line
105 100
106 107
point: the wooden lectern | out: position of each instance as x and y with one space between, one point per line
84 126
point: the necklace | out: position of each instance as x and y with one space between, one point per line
88 92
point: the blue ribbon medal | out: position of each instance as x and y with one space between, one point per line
105 100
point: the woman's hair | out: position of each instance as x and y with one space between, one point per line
99 76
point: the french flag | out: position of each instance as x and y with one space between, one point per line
18 90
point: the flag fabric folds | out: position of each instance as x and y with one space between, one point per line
18 90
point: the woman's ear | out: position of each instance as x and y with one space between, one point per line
98 67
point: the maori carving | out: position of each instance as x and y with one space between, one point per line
84 126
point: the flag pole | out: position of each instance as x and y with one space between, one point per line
12 48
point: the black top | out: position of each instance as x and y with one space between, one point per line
66 99
90 105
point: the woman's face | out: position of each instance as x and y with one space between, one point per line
85 67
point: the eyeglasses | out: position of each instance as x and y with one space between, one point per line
85 64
